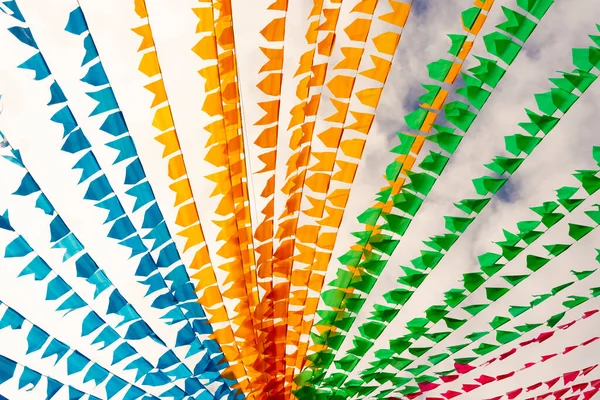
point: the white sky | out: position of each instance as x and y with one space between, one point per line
26 123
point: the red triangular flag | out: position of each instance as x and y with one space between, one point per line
570 376
449 378
484 379
551 382
427 386
592 340
579 387
514 393
528 342
560 393
547 357
542 337
505 376
451 394
507 354
590 394
588 370
467 387
463 368
567 325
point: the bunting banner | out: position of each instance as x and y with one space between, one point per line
200 200
406 197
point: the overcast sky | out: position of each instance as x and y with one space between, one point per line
25 121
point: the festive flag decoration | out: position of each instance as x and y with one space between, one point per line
205 200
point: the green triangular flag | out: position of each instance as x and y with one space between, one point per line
397 224
534 262
457 224
527 327
469 206
555 319
418 351
560 288
514 280
475 336
453 323
575 301
436 313
457 43
438 70
475 309
469 16
407 202
556 249
454 297
517 24
515 311
537 8
473 280
498 321
486 184
583 274
406 142
577 231
434 162
437 337
438 358
398 296
494 293
485 348
370 216
505 337
418 370
432 92
539 299
455 348
446 140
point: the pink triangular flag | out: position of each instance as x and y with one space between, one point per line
567 325
508 354
526 343
547 357
542 337
560 393
570 376
592 340
513 394
484 379
467 387
449 378
427 386
463 368
451 394
590 394
569 349
505 376
579 387
551 382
